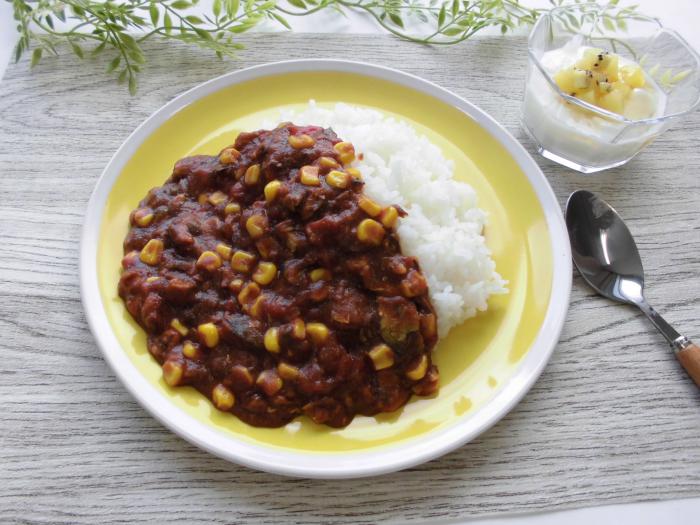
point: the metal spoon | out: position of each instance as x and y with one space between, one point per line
607 258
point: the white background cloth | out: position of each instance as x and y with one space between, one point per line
681 15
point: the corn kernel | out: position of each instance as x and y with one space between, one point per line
143 217
252 175
309 175
152 252
172 373
272 340
338 179
418 371
370 231
354 173
256 225
389 217
229 156
242 261
382 356
152 279
269 382
189 350
320 274
224 250
318 332
209 334
370 207
222 397
216 198
428 325
209 261
287 371
328 162
256 309
177 325
265 273
249 292
203 198
345 151
301 141
272 188
235 285
232 207
298 329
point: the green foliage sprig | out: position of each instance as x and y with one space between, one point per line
121 26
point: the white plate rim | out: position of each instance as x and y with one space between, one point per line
332 465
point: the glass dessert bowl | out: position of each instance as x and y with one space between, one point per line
598 92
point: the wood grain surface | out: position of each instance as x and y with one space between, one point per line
613 418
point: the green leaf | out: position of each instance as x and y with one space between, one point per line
396 19
195 20
216 8
79 12
232 7
76 49
203 33
441 16
680 76
608 24
136 55
128 40
155 14
132 85
18 51
122 76
453 31
665 77
455 8
180 4
49 21
621 24
241 28
36 56
281 20
98 49
138 21
298 3
114 64
167 23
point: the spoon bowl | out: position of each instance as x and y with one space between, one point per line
603 248
607 258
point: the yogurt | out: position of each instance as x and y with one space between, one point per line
583 138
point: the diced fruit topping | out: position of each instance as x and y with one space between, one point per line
633 76
598 79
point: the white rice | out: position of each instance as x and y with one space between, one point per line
444 226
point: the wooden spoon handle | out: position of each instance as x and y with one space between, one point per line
689 357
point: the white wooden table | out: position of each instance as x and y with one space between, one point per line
613 418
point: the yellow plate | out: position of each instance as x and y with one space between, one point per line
480 362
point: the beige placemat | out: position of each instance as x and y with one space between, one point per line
612 419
